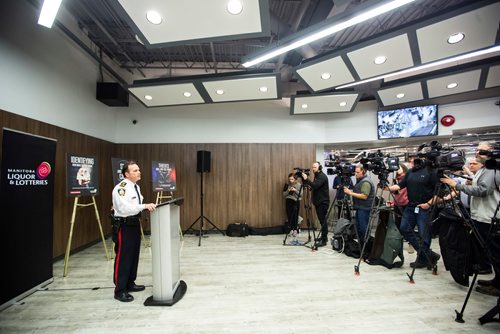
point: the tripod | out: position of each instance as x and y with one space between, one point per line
374 215
494 229
341 207
202 217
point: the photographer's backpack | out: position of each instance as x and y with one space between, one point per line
393 245
343 241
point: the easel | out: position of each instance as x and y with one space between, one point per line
73 216
170 196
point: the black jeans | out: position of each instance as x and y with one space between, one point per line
292 213
321 211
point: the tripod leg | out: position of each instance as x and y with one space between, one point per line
213 225
460 316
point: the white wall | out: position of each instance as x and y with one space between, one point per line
46 77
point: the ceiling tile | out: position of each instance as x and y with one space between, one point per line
238 89
316 104
493 79
412 92
396 49
164 95
480 27
466 82
336 67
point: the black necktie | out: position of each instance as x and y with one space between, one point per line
137 191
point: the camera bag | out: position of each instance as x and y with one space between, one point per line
237 230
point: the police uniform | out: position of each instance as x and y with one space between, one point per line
127 203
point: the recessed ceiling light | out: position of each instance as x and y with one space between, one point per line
148 97
219 91
234 7
343 103
263 89
187 94
380 60
154 17
304 106
456 37
326 76
400 95
452 85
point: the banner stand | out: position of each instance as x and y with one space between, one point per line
160 197
70 238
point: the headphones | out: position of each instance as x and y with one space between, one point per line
319 166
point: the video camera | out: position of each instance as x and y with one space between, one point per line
343 169
494 158
380 164
442 158
299 171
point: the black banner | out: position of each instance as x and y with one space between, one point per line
164 176
26 197
82 175
117 165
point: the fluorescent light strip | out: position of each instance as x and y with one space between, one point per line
330 30
422 67
49 12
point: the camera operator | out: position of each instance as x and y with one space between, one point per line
292 191
362 195
484 200
420 182
338 184
320 198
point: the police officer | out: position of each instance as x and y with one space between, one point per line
127 203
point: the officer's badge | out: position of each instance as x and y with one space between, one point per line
121 192
123 184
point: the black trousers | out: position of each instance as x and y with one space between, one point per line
292 213
127 249
321 212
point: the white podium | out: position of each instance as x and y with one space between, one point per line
168 289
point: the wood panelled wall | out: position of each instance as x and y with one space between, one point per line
244 184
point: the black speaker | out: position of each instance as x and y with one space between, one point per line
111 94
203 161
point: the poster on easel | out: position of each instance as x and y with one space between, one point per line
82 175
117 165
164 176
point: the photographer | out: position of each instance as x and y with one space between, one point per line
292 191
420 183
320 198
362 195
485 197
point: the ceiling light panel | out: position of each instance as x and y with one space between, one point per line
493 78
467 81
323 104
165 95
479 27
336 67
245 89
396 49
412 92
195 20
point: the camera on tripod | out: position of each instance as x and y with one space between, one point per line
299 171
494 158
343 169
442 158
379 164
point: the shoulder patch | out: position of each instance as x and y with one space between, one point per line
121 192
123 184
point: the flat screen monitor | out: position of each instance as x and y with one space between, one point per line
408 122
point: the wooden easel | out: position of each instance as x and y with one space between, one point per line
159 199
73 216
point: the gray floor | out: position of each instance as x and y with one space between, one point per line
252 285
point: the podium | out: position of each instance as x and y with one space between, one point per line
168 289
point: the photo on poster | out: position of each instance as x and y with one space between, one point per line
164 176
117 165
82 175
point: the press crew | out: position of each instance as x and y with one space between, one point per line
127 205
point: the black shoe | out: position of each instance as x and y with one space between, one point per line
489 290
484 282
124 297
136 288
418 265
435 258
321 243
485 271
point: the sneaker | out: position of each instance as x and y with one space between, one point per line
489 290
484 282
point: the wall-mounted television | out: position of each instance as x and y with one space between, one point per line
408 122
